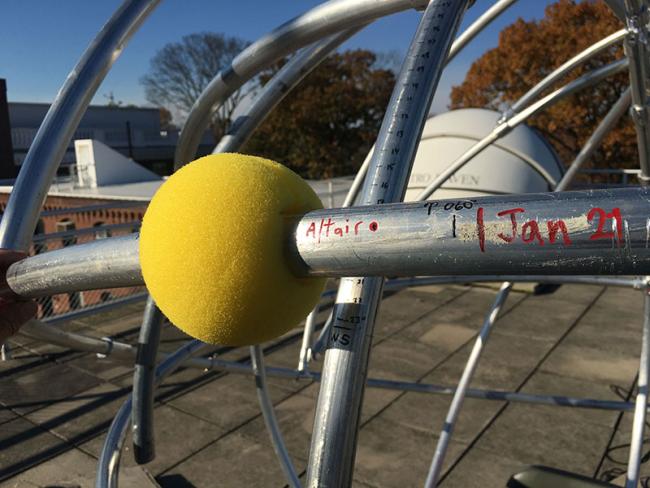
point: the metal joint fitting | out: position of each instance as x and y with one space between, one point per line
639 114
109 349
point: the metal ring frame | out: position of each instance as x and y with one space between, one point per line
332 455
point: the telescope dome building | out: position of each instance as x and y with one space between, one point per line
520 162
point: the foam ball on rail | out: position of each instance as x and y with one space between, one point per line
212 249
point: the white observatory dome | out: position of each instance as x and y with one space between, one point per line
515 163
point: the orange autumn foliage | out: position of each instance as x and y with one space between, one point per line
530 50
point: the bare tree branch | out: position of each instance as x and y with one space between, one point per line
181 70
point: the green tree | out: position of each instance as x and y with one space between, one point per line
325 127
528 51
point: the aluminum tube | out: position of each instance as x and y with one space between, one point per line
472 362
479 24
503 396
117 350
310 326
142 427
463 385
605 126
108 465
266 405
458 45
641 401
54 335
52 139
323 337
631 282
321 21
109 459
563 70
577 233
568 233
585 81
104 346
508 124
333 445
358 181
103 263
292 73
426 388
637 17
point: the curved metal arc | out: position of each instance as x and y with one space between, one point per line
463 385
528 160
285 80
563 70
108 465
53 136
637 17
604 127
506 126
109 459
458 45
468 372
585 81
266 405
479 24
321 21
142 427
641 401
333 445
519 105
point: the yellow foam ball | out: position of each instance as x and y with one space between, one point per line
212 249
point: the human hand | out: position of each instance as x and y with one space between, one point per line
14 311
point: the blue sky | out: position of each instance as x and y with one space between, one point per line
41 40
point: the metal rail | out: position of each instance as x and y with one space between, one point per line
479 24
116 350
463 385
45 153
606 125
109 458
563 70
285 80
266 405
637 17
142 427
333 445
324 20
507 124
568 233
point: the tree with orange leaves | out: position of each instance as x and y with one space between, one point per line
528 51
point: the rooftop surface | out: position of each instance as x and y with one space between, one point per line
581 340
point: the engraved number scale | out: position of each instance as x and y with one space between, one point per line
344 370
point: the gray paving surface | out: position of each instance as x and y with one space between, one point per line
56 404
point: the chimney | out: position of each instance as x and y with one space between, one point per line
7 167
